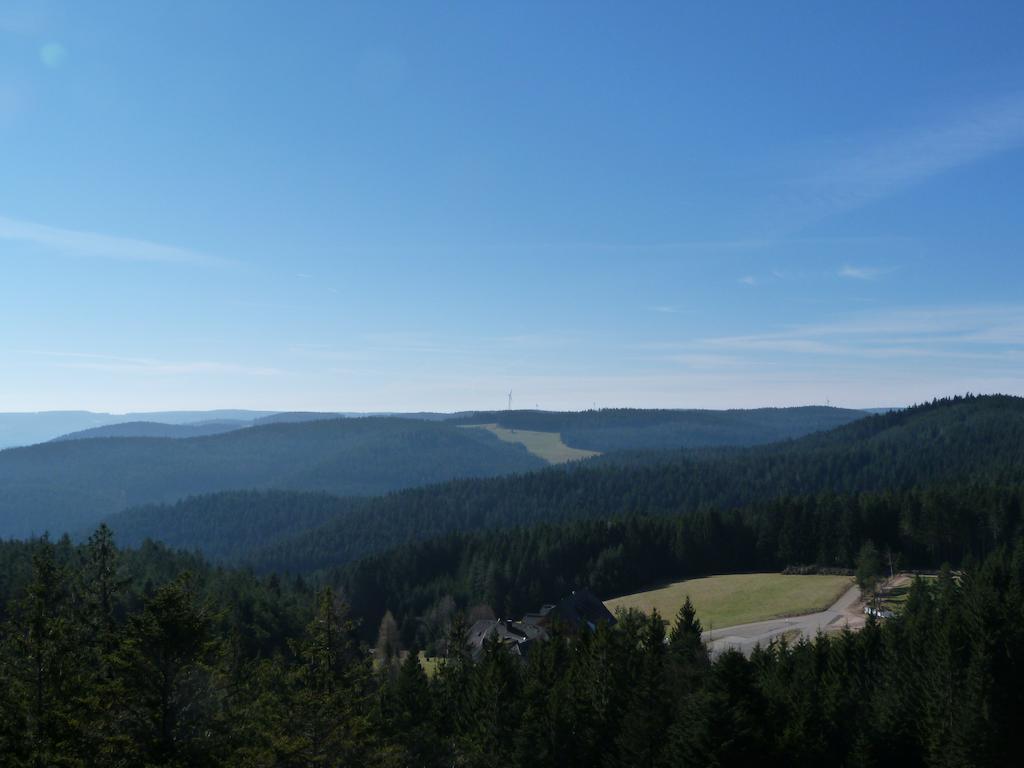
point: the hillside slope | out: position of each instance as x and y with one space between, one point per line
976 439
155 429
230 525
70 485
624 429
18 429
954 441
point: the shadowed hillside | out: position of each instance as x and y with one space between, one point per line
71 484
620 429
156 429
951 441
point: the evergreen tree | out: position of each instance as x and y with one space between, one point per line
492 708
320 713
686 638
649 710
166 686
43 669
869 567
409 718
545 731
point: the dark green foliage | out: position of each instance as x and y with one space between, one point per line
71 485
869 567
165 687
516 571
231 525
146 670
43 668
946 444
409 713
117 657
317 709
949 442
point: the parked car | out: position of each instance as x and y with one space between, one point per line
878 613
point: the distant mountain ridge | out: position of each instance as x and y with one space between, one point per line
71 484
196 428
21 429
628 429
960 440
637 428
155 429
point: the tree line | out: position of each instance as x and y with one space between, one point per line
516 571
113 658
72 485
949 443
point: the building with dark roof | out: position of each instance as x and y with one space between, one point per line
578 612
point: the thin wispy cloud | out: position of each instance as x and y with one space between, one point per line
991 332
706 362
976 134
891 164
151 366
748 280
726 244
863 174
863 273
81 243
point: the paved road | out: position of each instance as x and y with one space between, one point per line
743 637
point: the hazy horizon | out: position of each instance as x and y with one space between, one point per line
349 411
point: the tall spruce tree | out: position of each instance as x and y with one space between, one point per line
167 684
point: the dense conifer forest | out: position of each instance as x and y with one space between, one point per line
308 653
152 658
511 384
514 571
973 440
71 485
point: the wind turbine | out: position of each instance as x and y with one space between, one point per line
510 399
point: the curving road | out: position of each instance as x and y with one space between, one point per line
744 637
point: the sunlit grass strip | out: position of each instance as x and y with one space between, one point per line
724 601
545 445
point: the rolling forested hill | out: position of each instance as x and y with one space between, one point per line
197 428
69 485
18 429
154 657
69 488
230 526
973 440
623 429
512 570
950 441
155 429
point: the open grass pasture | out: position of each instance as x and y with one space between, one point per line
545 445
741 598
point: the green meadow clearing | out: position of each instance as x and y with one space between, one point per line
740 598
545 445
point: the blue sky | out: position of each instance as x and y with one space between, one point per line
403 206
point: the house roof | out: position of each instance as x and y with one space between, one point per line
576 612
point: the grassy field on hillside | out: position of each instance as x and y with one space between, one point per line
545 445
723 601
